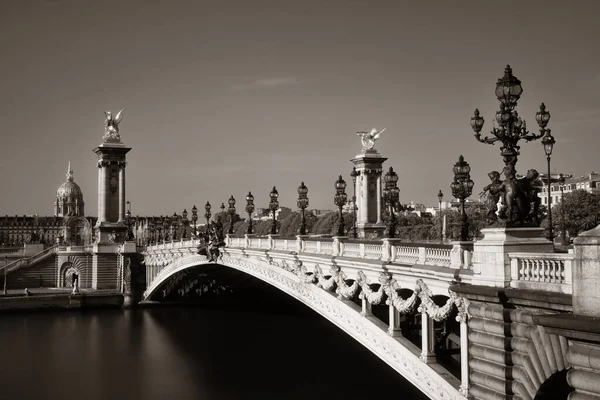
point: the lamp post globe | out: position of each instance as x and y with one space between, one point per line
231 211
195 219
207 215
274 206
462 187
340 200
302 205
548 143
249 211
440 196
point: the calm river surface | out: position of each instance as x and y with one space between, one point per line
187 353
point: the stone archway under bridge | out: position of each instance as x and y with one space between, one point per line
398 352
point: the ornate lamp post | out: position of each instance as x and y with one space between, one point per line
150 227
249 211
302 204
231 211
563 234
274 206
129 235
195 220
548 142
207 216
222 215
184 223
5 264
461 189
174 226
354 174
440 196
391 194
165 228
340 199
509 129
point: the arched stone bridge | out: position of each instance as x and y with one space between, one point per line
501 349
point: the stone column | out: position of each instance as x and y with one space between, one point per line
366 307
122 196
464 356
427 338
369 165
394 329
101 193
379 196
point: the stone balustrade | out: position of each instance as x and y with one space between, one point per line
542 271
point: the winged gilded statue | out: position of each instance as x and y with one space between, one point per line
111 125
368 138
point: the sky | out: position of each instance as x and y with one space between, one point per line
226 97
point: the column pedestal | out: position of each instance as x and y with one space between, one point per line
369 165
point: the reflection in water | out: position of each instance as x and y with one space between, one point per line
187 353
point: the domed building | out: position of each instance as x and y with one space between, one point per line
68 226
69 198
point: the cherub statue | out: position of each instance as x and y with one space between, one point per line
491 195
530 187
368 138
111 125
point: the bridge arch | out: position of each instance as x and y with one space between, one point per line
397 352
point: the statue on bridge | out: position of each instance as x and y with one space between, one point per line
519 198
368 138
111 126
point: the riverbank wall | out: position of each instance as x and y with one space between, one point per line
40 302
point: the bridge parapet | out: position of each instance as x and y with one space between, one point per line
549 272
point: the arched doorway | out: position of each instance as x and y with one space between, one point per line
66 276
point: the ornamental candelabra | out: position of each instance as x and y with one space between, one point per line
249 211
340 200
563 233
354 174
184 223
166 226
274 206
207 216
231 211
461 189
302 205
174 225
195 220
509 129
548 142
440 196
391 195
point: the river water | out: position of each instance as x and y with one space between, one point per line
187 352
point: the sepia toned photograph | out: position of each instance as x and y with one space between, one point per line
299 200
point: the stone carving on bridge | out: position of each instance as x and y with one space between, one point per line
368 138
514 202
111 126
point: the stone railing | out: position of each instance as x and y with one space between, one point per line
542 271
23 262
74 249
388 250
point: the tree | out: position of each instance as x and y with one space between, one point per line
581 211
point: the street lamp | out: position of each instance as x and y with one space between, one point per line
231 210
249 211
563 233
5 264
302 205
509 129
354 174
440 196
166 226
274 206
461 189
548 142
391 194
207 216
174 226
340 200
184 223
129 236
222 215
195 219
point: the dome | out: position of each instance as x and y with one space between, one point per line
69 189
69 198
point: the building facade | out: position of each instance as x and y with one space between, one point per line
590 183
